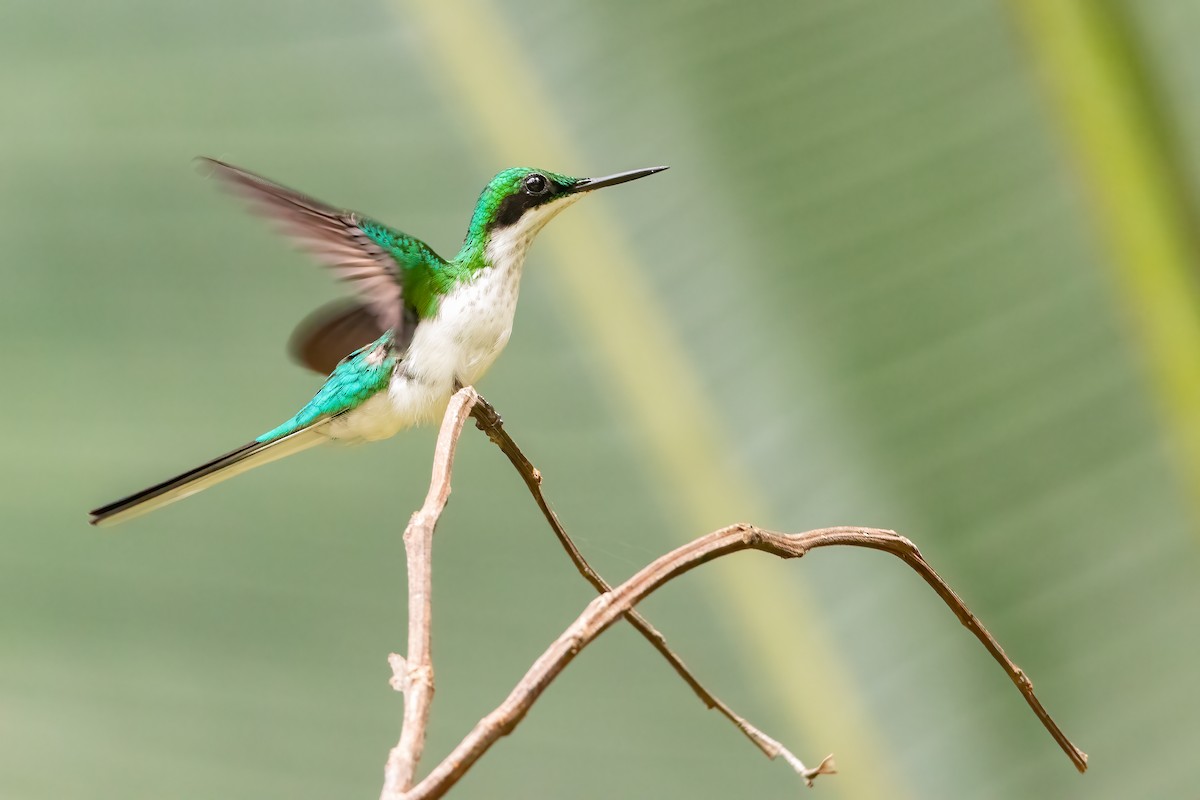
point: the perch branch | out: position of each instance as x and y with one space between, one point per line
414 675
605 609
488 420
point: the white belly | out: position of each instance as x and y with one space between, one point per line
471 327
458 345
373 420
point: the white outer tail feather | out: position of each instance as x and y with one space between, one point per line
280 448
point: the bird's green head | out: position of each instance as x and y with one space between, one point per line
520 200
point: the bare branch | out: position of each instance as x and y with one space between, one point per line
488 420
414 675
906 551
603 611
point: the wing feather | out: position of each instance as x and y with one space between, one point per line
325 336
336 238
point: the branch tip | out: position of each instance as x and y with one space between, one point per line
826 767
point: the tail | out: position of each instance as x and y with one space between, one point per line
233 463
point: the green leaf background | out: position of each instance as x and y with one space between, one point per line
928 266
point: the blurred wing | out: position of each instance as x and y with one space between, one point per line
359 250
336 329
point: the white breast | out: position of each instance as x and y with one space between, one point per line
471 327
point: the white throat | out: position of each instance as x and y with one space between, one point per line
507 246
460 342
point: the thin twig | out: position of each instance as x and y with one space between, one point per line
414 675
488 420
906 551
607 608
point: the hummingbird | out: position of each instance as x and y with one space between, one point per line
419 326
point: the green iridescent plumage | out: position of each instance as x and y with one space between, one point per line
424 274
425 277
504 185
446 321
360 375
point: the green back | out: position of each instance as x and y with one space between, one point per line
424 274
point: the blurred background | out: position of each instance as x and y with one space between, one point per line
927 266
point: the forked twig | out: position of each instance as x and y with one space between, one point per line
414 676
488 420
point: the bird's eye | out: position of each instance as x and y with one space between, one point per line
536 184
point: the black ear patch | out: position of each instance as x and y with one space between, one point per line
512 207
536 189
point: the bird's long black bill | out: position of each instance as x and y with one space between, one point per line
587 184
